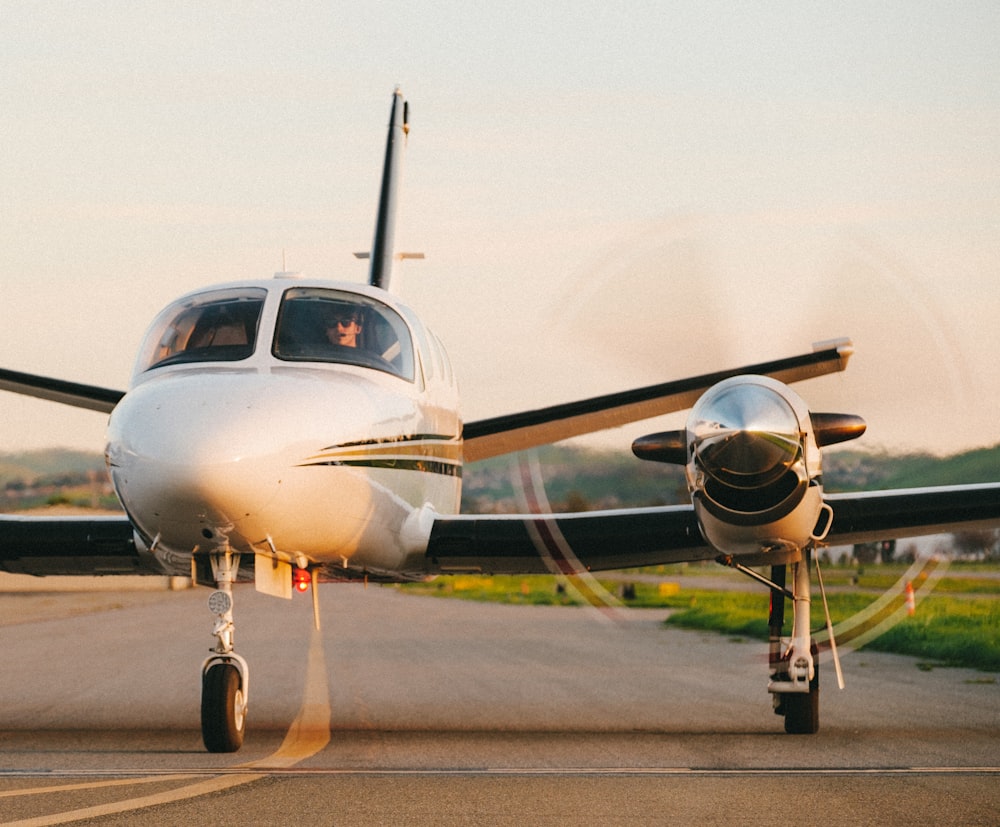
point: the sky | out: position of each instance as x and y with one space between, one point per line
608 195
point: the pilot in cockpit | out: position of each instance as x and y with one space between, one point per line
343 326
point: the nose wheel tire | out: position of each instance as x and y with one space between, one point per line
802 713
223 709
802 709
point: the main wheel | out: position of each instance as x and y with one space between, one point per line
223 712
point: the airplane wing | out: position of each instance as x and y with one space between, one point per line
56 390
67 545
527 543
70 546
601 540
529 429
868 516
517 432
547 543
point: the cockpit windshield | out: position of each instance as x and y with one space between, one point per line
322 325
216 326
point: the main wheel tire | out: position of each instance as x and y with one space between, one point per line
222 709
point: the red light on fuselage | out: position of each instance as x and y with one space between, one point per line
301 579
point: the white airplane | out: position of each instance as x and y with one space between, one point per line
287 430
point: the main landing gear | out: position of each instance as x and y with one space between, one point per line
224 675
794 678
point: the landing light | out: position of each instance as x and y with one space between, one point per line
301 579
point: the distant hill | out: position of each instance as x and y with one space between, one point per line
32 466
582 478
575 478
55 476
856 470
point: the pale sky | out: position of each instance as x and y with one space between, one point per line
607 198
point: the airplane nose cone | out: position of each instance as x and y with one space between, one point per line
745 435
207 456
191 454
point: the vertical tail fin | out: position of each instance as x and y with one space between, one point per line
382 256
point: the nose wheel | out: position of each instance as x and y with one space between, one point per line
801 709
223 705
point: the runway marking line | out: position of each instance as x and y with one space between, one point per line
90 785
125 777
310 731
308 734
236 776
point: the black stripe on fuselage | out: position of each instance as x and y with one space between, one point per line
422 465
393 441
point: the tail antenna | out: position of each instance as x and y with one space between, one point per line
382 257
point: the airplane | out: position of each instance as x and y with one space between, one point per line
289 430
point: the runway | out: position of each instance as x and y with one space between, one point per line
427 711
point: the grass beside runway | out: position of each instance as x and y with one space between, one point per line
943 630
953 625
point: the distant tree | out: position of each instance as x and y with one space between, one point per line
887 548
866 553
981 543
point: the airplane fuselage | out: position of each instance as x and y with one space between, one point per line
247 427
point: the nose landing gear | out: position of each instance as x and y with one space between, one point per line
225 677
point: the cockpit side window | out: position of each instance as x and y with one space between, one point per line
321 325
218 326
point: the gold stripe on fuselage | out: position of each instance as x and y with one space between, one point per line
433 454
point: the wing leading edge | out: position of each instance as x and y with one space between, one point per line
91 397
517 432
506 434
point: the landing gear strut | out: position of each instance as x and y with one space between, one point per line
224 675
794 681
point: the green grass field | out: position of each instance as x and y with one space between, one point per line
956 624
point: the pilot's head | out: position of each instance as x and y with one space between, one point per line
343 326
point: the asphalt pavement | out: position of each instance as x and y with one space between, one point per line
421 710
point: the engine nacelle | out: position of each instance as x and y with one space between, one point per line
751 452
